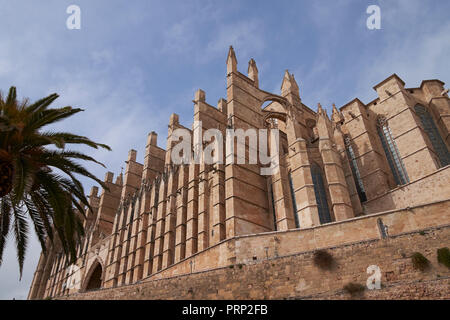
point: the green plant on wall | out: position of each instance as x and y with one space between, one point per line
323 260
443 256
419 261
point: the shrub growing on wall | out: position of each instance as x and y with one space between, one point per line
323 260
443 256
419 261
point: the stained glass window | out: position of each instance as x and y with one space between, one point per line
294 202
355 171
391 151
273 209
321 198
433 133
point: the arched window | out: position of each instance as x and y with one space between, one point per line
321 196
433 133
355 171
294 202
391 151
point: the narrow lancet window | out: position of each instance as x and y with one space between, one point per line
355 171
274 215
433 133
321 197
294 202
391 151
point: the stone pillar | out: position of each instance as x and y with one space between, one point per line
110 272
180 228
132 242
170 219
153 166
303 186
253 72
350 180
108 205
119 255
160 224
37 277
192 210
126 232
154 158
46 275
282 199
132 182
437 98
217 195
142 228
337 185
150 240
203 208
246 199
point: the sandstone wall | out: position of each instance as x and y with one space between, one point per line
297 277
245 249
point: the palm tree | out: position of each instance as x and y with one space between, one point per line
38 180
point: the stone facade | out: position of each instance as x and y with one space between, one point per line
297 277
368 172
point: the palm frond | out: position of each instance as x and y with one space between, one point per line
75 139
39 225
49 116
54 203
20 226
5 220
12 96
41 104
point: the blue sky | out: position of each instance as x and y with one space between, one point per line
133 63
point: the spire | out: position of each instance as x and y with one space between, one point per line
335 110
119 179
94 191
338 137
253 72
319 109
294 83
289 85
323 122
231 61
336 116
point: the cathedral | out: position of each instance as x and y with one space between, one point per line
367 172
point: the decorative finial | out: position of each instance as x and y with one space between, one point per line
231 61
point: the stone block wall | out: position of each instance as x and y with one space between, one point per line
297 277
